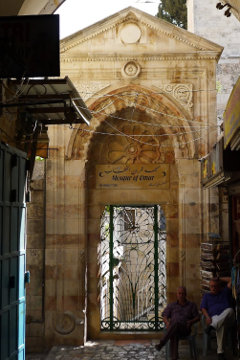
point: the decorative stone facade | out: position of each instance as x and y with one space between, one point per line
142 78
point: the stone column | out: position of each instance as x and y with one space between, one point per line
65 229
190 225
35 261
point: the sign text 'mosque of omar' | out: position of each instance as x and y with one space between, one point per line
132 176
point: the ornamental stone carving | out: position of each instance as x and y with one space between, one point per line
137 146
131 70
181 92
88 88
64 323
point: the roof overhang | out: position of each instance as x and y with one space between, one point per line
230 7
49 101
28 7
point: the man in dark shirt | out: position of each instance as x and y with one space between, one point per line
218 312
178 318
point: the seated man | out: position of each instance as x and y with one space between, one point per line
178 318
218 312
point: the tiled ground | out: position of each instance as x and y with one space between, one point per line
124 350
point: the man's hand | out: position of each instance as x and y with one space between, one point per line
167 323
193 321
228 280
208 320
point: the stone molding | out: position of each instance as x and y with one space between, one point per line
162 57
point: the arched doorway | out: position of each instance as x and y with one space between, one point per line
127 138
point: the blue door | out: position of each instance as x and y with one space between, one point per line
12 253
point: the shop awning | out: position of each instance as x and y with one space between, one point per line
232 119
40 103
220 166
50 101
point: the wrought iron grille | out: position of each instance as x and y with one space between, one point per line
132 259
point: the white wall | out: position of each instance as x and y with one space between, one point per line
206 20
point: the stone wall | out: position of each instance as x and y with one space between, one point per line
225 31
206 20
35 317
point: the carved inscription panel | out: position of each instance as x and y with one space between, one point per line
148 176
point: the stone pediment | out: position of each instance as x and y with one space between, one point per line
132 32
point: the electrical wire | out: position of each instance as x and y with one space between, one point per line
129 136
162 92
200 127
149 124
154 135
143 142
132 136
131 94
18 92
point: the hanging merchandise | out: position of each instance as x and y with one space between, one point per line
235 277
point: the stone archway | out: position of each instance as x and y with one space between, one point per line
165 110
132 127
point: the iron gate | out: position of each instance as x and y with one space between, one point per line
132 257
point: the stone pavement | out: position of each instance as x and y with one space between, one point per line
116 350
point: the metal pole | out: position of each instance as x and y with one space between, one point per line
111 267
156 275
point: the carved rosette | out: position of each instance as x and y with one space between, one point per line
131 70
131 152
136 150
64 323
